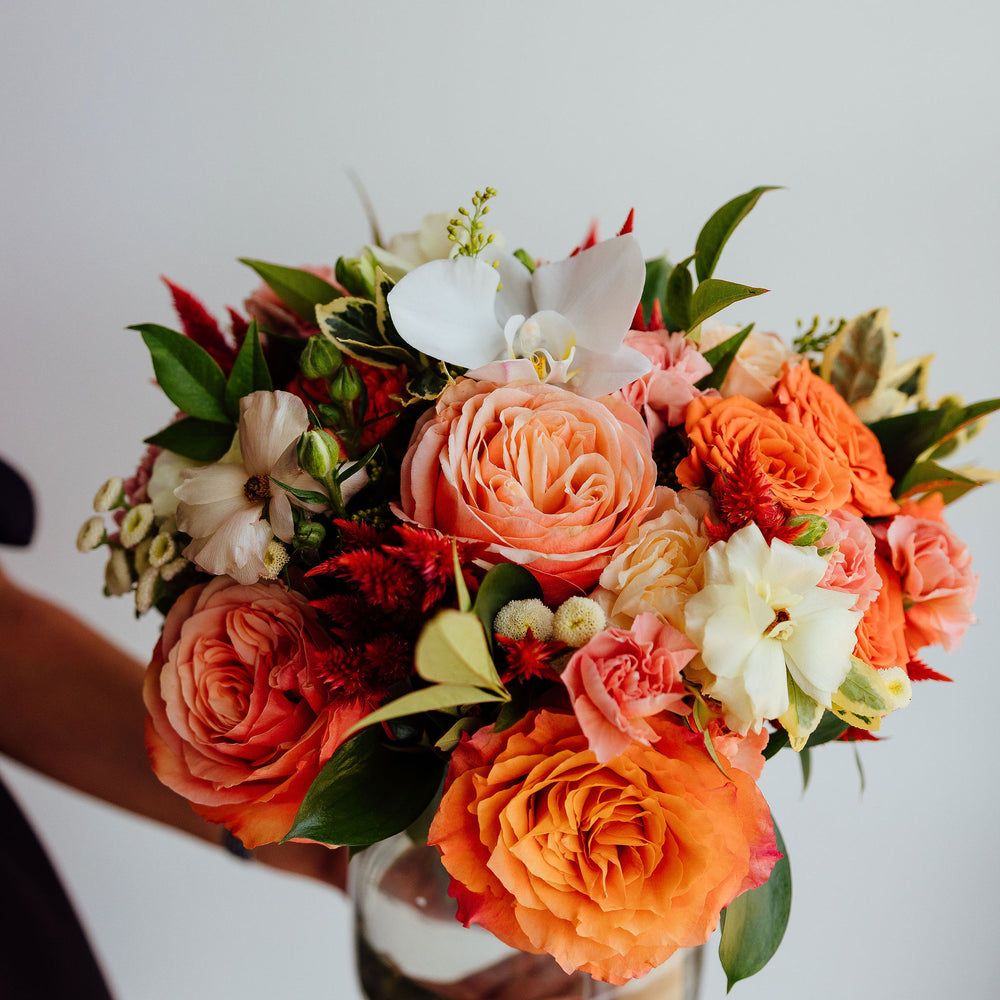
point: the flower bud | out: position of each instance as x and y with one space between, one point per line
91 534
117 574
345 385
309 535
319 453
320 358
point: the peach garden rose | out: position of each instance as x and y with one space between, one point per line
651 845
238 720
546 477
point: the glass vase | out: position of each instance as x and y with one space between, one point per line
409 946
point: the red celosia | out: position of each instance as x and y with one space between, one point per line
200 326
917 670
743 496
432 555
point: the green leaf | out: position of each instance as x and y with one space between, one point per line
713 295
716 232
655 288
504 583
435 698
186 372
199 440
250 372
368 790
829 728
306 496
721 357
805 760
452 649
754 923
929 477
300 290
679 290
906 437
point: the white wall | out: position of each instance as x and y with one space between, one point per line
145 138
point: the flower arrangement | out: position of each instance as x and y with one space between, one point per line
533 552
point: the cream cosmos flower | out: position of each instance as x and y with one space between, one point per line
222 506
761 619
563 324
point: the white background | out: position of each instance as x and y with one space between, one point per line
145 138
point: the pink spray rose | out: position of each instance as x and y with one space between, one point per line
663 393
239 721
935 569
852 564
546 477
621 677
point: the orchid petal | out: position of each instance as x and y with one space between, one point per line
269 423
505 372
597 290
514 296
597 374
445 309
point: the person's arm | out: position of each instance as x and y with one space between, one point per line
71 707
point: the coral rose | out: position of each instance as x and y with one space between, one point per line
881 633
238 722
803 474
620 678
807 401
610 868
659 565
935 569
546 477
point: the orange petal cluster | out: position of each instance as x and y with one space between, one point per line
607 867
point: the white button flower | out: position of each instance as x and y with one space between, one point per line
221 506
760 619
564 323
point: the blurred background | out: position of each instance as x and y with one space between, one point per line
141 139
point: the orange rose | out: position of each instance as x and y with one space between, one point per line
548 478
610 868
238 721
881 632
802 473
807 401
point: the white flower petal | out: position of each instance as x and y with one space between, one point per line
446 309
235 549
597 374
279 513
269 423
211 484
597 290
515 296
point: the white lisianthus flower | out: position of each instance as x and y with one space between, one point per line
563 324
762 618
222 506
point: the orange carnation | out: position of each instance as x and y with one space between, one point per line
610 868
802 473
881 632
807 401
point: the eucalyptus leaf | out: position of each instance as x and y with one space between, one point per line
300 290
754 923
186 372
250 372
713 295
368 791
721 358
716 232
199 440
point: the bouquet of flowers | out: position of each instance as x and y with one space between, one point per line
535 551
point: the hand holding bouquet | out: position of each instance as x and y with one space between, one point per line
536 551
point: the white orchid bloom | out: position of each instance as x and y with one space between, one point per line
564 323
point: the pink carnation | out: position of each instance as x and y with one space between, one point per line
935 570
621 677
851 567
663 393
